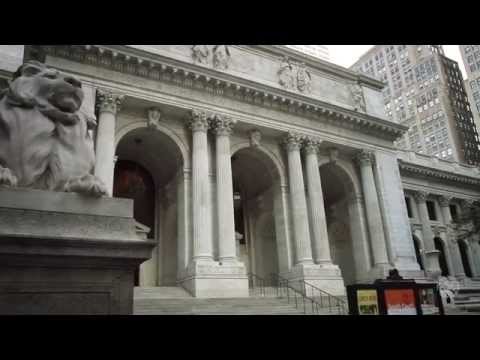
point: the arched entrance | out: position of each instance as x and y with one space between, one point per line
134 182
418 252
463 247
148 170
255 188
344 224
442 256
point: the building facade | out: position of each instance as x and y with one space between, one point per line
319 51
258 159
471 60
425 91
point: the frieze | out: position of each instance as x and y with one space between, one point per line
154 69
217 56
356 92
294 76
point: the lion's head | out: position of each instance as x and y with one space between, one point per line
57 95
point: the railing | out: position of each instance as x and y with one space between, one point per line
312 299
256 285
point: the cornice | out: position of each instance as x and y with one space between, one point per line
426 172
156 67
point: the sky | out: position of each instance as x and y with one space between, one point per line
346 55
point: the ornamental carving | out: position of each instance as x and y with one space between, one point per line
200 54
356 92
255 137
153 117
108 101
294 76
198 121
364 158
311 145
220 55
293 141
420 196
222 125
444 201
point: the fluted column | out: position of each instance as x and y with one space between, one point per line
226 224
320 244
372 206
431 254
108 104
202 246
298 200
458 270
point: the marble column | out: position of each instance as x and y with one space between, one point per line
320 243
202 246
372 207
431 254
109 105
458 270
223 127
293 143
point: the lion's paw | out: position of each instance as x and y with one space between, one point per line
88 185
7 178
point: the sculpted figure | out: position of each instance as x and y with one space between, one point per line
45 141
221 56
304 79
358 99
285 74
200 53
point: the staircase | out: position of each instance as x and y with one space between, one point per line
468 299
177 301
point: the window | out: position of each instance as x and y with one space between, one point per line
432 215
453 212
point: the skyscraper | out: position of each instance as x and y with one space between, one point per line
425 91
319 51
471 59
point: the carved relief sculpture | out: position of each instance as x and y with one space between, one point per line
153 118
255 138
358 97
304 79
221 57
45 141
200 53
285 74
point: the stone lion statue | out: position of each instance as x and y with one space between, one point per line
45 141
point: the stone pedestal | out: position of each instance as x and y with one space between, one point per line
63 253
327 277
210 279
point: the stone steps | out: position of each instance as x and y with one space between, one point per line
171 301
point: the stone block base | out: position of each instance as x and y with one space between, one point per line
209 279
63 254
325 277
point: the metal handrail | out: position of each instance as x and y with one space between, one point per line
339 305
256 282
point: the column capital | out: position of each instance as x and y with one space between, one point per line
108 101
420 196
311 145
198 121
364 158
293 141
444 200
222 125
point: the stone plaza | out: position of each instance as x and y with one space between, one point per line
264 160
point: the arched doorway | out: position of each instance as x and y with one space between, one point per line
255 187
134 182
418 252
154 157
442 256
345 228
463 247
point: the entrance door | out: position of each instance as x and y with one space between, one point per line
134 182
